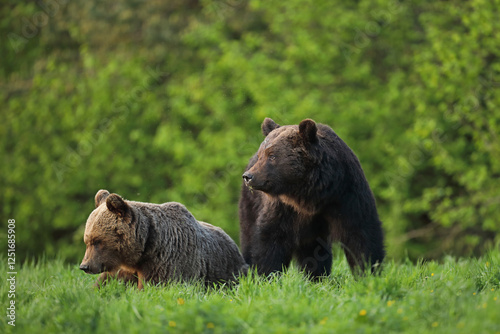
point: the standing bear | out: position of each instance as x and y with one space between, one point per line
144 242
303 190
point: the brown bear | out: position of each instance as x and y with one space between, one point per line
302 190
144 242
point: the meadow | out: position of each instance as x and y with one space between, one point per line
455 295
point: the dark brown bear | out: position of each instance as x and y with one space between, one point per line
305 189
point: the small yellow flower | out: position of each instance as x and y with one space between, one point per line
400 310
230 300
474 294
180 301
390 303
435 324
485 305
487 264
432 274
323 321
405 318
432 290
362 313
172 324
495 298
492 289
210 325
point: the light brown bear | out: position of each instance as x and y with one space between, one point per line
144 242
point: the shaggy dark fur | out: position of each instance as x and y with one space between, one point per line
144 242
303 190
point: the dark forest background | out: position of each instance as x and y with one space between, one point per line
163 100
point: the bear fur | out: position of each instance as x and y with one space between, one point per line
303 190
144 242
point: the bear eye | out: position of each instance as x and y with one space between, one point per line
272 157
96 242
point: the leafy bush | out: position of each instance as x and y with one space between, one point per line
163 102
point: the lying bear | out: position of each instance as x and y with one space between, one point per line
303 190
144 242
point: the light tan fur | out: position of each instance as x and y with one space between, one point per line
143 242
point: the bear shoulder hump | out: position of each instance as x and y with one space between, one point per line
177 210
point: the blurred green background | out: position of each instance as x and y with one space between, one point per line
163 100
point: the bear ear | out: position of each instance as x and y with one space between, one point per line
117 205
268 125
100 197
308 130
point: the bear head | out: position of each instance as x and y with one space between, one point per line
110 235
284 159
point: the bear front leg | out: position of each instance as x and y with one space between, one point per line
314 252
103 279
248 214
127 277
271 256
247 244
315 257
273 247
141 280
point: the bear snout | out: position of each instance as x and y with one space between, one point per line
91 269
256 182
247 177
85 267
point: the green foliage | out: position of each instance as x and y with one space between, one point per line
456 296
162 101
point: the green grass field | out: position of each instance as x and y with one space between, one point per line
452 296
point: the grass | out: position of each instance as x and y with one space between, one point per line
452 296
